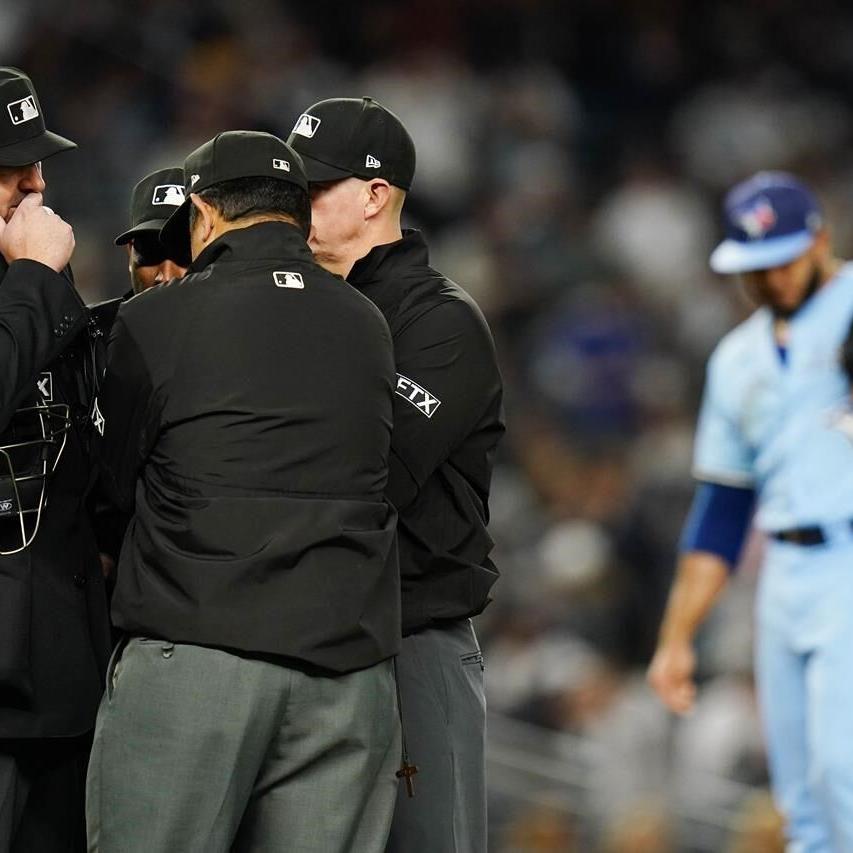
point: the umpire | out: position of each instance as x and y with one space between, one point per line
247 421
54 636
360 162
152 202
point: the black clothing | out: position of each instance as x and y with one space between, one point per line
42 794
247 411
54 631
39 314
447 422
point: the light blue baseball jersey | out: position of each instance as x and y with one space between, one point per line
775 426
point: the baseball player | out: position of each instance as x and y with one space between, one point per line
153 200
768 440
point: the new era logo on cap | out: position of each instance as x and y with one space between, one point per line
288 279
306 125
194 179
371 162
168 194
23 110
280 164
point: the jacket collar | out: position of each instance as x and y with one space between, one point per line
381 262
266 240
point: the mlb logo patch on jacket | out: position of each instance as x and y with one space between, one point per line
288 279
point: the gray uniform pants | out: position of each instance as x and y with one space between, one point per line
440 674
201 751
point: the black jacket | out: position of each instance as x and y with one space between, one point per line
247 413
447 422
54 632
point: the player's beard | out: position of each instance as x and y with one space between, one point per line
785 313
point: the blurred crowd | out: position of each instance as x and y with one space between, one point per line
572 155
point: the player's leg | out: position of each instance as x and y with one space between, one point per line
327 783
440 673
781 674
180 735
830 688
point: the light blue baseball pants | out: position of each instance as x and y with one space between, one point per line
804 662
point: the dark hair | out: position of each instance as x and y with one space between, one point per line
252 196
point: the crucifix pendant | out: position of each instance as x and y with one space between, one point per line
407 772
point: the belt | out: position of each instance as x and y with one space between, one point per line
813 535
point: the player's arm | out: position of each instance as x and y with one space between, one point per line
446 379
714 532
711 544
127 417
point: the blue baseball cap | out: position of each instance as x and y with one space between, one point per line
771 219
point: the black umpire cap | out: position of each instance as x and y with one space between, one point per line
152 202
23 137
228 156
344 137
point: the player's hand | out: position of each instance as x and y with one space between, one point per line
671 675
35 232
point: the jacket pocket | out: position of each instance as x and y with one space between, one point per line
114 666
473 659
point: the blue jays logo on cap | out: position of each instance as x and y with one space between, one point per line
758 218
771 219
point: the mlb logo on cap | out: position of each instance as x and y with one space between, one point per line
23 110
771 219
306 125
281 164
168 194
